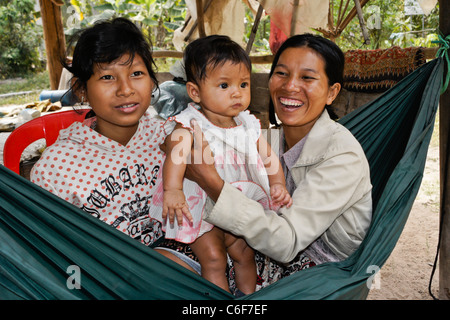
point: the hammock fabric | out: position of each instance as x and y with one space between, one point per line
42 236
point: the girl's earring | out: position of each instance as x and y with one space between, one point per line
82 103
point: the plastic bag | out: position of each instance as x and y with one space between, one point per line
170 99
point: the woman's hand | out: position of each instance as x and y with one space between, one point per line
201 167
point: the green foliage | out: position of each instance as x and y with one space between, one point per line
261 43
388 26
20 38
385 19
157 18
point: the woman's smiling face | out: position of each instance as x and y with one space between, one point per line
299 87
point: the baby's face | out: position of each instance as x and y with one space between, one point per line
225 92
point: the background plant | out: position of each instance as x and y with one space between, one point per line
20 38
389 26
157 18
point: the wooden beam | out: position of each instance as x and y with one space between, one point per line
341 13
200 19
254 29
430 53
295 5
444 155
158 54
361 22
334 31
54 39
194 25
350 16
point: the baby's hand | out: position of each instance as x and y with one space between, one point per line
174 204
280 195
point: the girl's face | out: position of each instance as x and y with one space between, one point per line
224 93
299 88
119 93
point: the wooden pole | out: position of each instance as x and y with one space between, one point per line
444 132
343 24
295 5
254 29
335 31
361 22
200 19
194 25
54 39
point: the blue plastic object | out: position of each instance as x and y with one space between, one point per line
66 97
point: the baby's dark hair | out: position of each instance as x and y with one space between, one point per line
212 51
105 42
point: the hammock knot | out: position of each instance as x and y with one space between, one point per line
444 43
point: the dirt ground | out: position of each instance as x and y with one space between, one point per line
407 272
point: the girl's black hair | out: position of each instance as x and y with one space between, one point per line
212 51
327 49
105 42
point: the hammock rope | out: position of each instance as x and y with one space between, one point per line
444 46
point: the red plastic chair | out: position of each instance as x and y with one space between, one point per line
46 126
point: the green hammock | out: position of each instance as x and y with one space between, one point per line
42 236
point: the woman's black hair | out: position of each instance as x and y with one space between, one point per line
212 51
332 55
105 42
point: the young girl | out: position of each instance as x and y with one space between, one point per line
218 81
108 165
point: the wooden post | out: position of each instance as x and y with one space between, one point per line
444 133
54 39
254 29
361 22
200 19
194 25
295 5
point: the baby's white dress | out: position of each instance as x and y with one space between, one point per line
236 159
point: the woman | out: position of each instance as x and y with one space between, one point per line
326 170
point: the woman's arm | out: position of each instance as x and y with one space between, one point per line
329 189
316 205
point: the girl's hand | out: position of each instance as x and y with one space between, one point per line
280 196
174 205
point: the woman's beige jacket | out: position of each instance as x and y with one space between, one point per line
332 199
